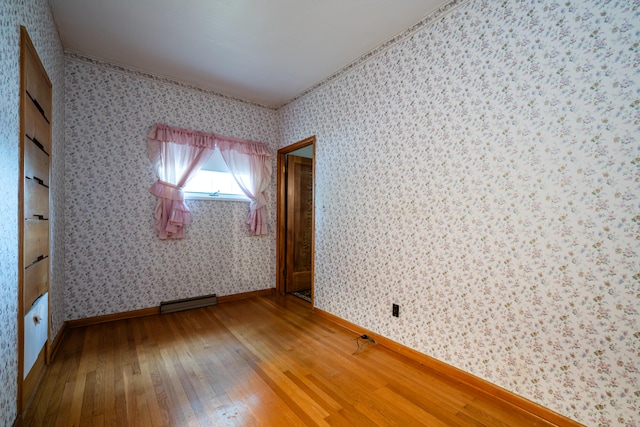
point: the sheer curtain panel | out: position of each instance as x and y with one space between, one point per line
176 155
250 165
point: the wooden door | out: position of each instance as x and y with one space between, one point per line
299 223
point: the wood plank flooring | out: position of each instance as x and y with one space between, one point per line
265 361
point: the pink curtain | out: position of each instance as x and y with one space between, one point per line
177 154
250 165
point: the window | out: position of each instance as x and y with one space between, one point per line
214 182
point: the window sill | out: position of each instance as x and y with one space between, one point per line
221 197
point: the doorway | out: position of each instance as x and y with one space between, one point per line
296 219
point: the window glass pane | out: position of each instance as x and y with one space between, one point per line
216 162
213 182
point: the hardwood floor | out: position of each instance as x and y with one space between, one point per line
266 361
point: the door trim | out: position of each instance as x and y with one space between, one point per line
281 224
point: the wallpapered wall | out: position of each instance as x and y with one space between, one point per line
36 17
483 173
114 259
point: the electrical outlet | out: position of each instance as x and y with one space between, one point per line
395 310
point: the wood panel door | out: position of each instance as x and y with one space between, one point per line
299 223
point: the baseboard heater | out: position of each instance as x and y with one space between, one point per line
188 303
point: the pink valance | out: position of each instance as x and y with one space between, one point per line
164 133
251 148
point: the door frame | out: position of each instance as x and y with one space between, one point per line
281 223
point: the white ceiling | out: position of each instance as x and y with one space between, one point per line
264 51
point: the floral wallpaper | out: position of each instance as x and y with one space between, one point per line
36 17
483 172
114 260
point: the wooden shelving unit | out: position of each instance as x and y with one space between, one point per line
35 167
